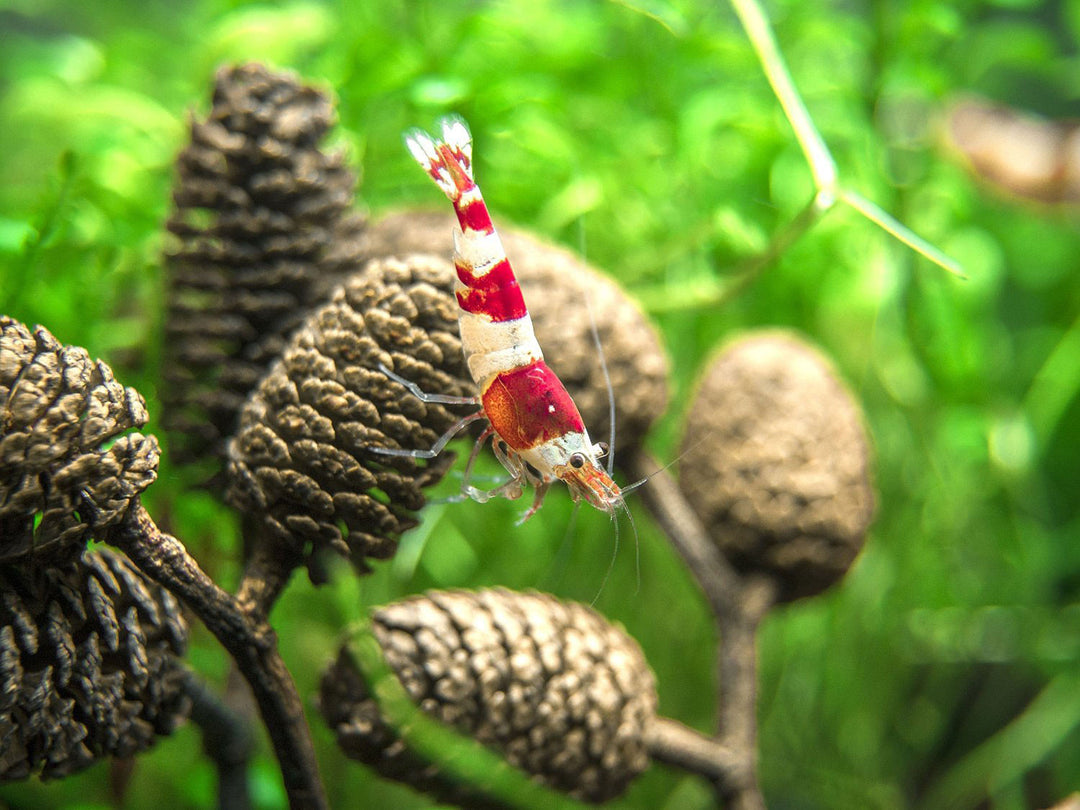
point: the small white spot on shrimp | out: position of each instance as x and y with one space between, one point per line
551 409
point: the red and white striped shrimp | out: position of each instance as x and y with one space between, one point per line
539 434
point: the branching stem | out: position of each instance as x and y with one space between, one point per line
250 641
738 604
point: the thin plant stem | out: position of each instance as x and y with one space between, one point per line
898 230
1012 752
757 27
718 293
1054 386
822 165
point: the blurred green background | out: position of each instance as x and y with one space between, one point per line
943 672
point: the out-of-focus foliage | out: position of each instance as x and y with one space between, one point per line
944 671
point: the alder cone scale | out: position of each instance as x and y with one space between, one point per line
89 664
552 686
265 232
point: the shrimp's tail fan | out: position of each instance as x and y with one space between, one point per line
446 159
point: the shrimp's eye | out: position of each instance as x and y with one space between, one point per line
577 461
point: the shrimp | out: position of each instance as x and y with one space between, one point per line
538 433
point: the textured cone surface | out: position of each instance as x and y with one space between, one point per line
560 289
265 232
299 464
67 468
88 664
557 690
775 462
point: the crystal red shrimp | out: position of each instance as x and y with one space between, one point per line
539 433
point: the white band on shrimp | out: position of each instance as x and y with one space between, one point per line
479 251
492 347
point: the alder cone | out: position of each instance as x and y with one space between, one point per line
265 231
560 290
775 461
68 466
89 664
552 686
300 466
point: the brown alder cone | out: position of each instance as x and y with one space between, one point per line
775 461
68 466
300 466
552 686
89 664
265 231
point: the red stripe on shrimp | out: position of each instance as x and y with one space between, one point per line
529 406
499 305
473 215
494 293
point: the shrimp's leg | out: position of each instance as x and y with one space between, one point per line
521 471
436 399
475 454
510 489
436 448
423 396
540 490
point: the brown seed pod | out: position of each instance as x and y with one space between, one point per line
299 464
552 686
88 664
775 462
560 289
265 233
1022 154
67 468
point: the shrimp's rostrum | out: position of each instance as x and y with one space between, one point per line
531 414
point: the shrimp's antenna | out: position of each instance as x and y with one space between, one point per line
631 487
607 382
600 355
558 565
637 546
611 563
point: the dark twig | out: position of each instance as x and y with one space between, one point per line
227 740
266 572
670 742
737 665
251 643
719 582
738 604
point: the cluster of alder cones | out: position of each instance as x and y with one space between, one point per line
282 303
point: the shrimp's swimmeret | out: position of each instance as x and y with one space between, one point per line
540 436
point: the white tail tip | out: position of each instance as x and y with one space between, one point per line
433 154
457 136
